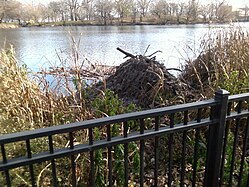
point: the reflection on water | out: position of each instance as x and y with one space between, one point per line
38 47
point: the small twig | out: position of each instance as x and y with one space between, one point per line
155 53
40 175
175 69
126 53
146 49
23 180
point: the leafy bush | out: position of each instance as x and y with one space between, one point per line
108 104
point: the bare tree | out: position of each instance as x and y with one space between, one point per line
73 6
54 7
123 8
205 12
87 9
224 13
143 7
246 11
43 13
2 10
212 12
160 8
10 10
134 11
33 13
180 11
104 10
192 9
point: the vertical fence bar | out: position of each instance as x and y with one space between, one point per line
51 150
247 184
72 157
172 116
156 152
7 175
224 153
142 144
184 138
92 176
215 140
196 148
126 155
31 169
225 145
243 152
109 156
235 142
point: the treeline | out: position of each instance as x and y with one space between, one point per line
121 11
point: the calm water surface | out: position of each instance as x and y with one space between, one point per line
38 47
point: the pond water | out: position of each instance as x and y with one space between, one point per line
40 47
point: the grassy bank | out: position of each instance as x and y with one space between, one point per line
8 26
27 103
146 21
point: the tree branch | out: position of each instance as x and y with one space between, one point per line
126 53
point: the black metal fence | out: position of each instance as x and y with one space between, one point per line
196 144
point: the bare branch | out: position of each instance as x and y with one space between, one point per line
126 53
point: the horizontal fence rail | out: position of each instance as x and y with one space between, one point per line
203 143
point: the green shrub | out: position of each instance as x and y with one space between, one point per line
108 104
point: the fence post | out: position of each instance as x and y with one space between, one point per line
215 140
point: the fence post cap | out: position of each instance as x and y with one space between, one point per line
222 92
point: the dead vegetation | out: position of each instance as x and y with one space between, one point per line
222 63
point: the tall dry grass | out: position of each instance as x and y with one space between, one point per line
222 63
56 95
30 101
24 103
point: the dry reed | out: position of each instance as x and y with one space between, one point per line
222 63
